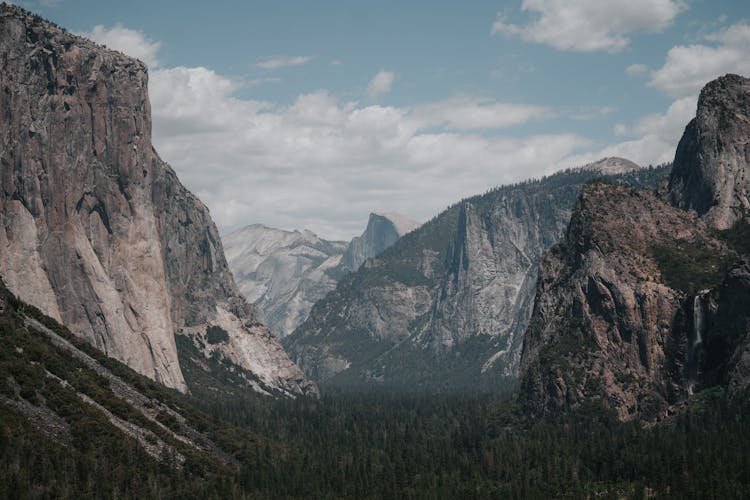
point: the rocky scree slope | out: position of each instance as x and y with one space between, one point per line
644 304
285 272
96 230
446 306
61 386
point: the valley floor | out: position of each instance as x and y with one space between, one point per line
381 446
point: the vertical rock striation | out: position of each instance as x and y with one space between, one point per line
283 273
382 231
610 319
644 304
445 307
711 173
95 229
725 356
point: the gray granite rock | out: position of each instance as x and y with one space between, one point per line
95 229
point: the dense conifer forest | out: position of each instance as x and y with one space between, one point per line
375 445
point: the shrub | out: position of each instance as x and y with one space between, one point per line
216 335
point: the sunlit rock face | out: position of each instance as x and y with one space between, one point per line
285 272
95 229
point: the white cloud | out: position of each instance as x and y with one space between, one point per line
281 62
468 113
130 42
636 69
585 113
325 164
380 84
669 125
656 137
589 25
689 67
195 100
621 129
255 82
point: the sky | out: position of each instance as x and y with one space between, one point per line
300 114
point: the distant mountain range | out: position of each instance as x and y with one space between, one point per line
285 272
608 283
446 306
603 292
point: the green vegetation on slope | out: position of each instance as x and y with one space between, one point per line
375 445
694 266
69 448
691 266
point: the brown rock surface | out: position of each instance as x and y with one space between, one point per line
638 307
609 324
725 357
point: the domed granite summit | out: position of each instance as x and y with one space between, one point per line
711 173
97 231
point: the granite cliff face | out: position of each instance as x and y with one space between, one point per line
612 165
285 272
95 229
724 334
643 304
711 172
382 231
447 304
609 319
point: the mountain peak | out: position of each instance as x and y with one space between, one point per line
383 230
402 223
285 272
711 173
612 165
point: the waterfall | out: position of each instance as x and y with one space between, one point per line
695 346
697 320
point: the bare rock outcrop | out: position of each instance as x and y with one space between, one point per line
284 273
724 331
611 320
612 165
711 173
95 229
644 303
382 231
